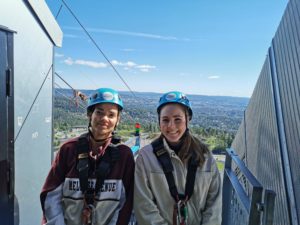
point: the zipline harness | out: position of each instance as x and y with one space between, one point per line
104 166
180 214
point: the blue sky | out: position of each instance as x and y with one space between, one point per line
198 47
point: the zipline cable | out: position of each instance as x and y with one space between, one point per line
81 95
57 14
97 46
100 50
79 105
129 116
58 85
64 81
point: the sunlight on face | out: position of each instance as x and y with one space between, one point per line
104 119
172 122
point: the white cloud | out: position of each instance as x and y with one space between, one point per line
145 68
135 34
92 64
213 77
58 55
71 36
116 63
129 33
69 61
129 65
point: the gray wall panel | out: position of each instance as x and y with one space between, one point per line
33 56
269 171
263 150
240 141
289 87
295 73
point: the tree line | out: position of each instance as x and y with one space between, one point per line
214 126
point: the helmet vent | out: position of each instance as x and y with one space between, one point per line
171 96
108 96
95 95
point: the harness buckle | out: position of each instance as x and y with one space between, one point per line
88 215
182 214
93 213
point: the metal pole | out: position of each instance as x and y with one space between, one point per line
282 137
269 206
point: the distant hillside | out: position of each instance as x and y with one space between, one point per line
218 112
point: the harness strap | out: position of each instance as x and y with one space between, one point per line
83 161
111 156
191 175
165 161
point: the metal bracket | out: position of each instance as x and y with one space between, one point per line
8 82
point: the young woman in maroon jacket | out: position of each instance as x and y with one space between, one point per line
91 179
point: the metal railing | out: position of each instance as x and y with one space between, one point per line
245 201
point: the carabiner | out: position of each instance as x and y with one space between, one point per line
93 214
178 212
182 214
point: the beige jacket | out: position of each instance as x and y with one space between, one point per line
153 203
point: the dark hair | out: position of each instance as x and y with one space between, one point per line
91 109
191 145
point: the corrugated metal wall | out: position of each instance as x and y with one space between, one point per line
260 141
286 46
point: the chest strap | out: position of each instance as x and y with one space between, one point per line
165 161
104 166
110 157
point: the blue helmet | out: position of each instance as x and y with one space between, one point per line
105 95
175 97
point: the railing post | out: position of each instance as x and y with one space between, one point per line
269 205
227 192
256 202
242 208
